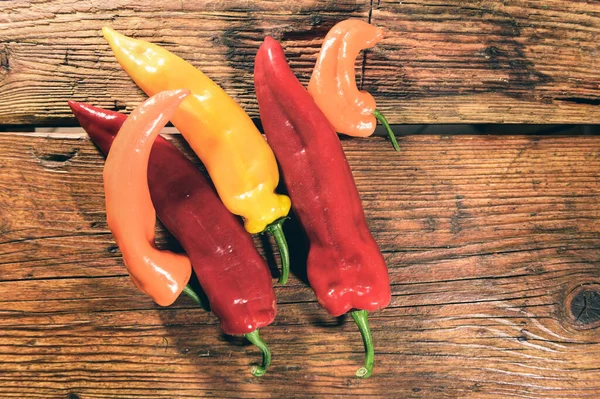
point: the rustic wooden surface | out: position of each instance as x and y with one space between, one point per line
441 61
492 242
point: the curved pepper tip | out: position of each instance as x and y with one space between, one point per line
181 93
130 215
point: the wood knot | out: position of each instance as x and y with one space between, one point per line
491 52
316 19
73 396
119 106
112 249
583 305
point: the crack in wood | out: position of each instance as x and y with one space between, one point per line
4 58
363 68
58 158
580 100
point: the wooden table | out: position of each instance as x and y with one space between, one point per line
492 241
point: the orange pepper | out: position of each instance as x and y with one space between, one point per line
131 217
238 159
333 82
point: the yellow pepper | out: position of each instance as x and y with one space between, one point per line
238 159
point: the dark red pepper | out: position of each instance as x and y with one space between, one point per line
345 266
232 273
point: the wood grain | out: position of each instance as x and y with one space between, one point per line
473 61
486 61
492 243
54 51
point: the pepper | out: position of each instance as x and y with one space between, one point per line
345 266
232 273
333 83
239 161
129 212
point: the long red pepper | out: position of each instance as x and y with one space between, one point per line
345 267
232 273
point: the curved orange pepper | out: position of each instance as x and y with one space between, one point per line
333 82
129 212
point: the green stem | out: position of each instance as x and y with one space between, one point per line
189 291
360 317
385 124
276 230
255 338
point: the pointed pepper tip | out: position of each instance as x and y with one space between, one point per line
106 31
111 35
75 107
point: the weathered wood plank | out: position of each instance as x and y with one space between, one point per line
441 62
492 243
52 51
479 61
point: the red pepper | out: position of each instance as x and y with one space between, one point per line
232 273
345 266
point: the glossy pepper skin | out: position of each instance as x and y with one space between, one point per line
233 275
345 267
240 163
333 83
129 212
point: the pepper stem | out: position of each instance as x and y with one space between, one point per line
276 230
255 338
385 124
189 291
361 320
